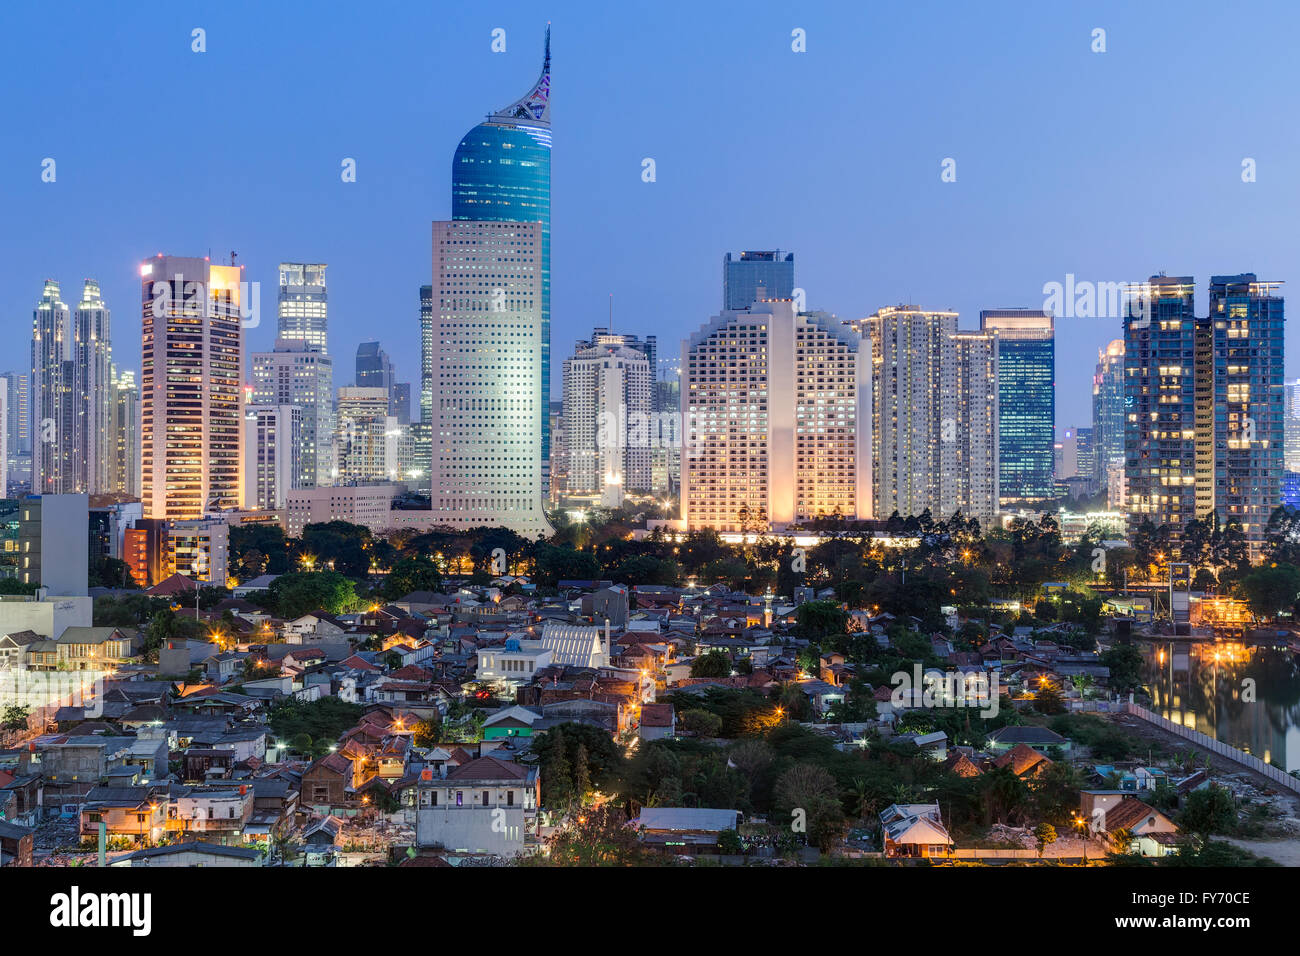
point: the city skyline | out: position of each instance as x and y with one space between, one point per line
696 209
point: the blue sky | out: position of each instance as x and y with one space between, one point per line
1110 166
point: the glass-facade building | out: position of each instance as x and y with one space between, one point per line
502 173
1026 402
770 273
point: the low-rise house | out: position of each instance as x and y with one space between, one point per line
136 814
1039 738
16 843
1025 762
914 830
189 854
658 722
510 722
485 806
216 815
684 829
1153 834
96 648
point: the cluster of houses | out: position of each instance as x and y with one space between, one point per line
172 760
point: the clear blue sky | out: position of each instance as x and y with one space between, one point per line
1109 166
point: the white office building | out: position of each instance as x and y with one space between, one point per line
487 423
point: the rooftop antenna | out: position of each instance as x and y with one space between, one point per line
611 312
232 257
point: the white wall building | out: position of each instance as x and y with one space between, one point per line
273 443
770 399
296 373
607 422
487 423
366 442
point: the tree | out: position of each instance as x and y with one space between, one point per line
299 593
729 843
1044 834
15 717
1047 699
712 664
425 732
1209 810
808 794
412 574
1125 663
596 837
1271 589
817 619
700 722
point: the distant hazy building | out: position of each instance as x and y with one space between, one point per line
191 387
366 444
273 445
934 414
303 305
302 375
54 542
1108 411
399 403
93 359
1026 401
772 437
1291 426
607 422
56 460
756 275
124 433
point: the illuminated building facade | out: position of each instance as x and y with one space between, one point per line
934 414
366 444
770 400
607 422
272 446
1026 401
295 374
303 305
501 172
487 424
191 387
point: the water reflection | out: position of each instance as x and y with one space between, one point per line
1207 686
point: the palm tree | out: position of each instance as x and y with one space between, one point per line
864 804
1120 840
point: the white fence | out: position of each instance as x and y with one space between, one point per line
1276 775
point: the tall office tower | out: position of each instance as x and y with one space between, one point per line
303 305
92 338
756 275
4 444
303 375
1248 405
666 453
607 422
487 426
978 475
373 367
502 173
770 400
1026 401
192 424
124 441
17 429
1086 455
1291 426
399 402
559 479
272 447
1108 411
1066 456
423 431
56 462
648 346
366 445
933 401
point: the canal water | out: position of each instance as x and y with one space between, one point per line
1245 696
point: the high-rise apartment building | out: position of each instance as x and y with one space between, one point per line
272 447
607 422
934 414
191 387
486 428
1108 414
502 173
56 463
1205 403
303 305
772 437
1291 427
124 431
17 428
756 275
302 375
93 356
1026 401
366 445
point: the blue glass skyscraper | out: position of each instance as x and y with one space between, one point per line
1026 402
502 173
